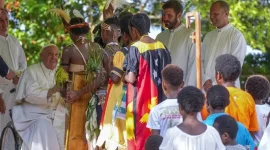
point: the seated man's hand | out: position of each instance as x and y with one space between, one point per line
2 105
207 85
63 93
15 80
72 96
10 75
52 91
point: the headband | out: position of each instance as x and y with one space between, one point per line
80 25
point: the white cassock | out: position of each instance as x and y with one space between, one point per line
13 54
227 40
39 121
182 51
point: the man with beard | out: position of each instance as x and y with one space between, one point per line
225 39
177 39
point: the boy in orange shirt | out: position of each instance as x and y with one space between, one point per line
242 105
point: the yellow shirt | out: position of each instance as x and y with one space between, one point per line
242 108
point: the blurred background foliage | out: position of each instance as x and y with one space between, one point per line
31 23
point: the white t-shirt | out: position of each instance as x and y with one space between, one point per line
175 139
165 115
264 144
262 113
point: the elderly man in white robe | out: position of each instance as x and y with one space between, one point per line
177 39
39 118
12 53
225 39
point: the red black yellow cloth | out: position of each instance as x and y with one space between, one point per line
146 60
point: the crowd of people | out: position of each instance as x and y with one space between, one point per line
142 94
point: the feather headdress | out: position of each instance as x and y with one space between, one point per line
64 14
117 3
112 5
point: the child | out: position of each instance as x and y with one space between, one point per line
153 142
166 114
217 100
227 128
242 106
191 134
258 87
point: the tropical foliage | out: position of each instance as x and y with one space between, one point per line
31 23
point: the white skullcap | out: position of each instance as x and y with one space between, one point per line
48 45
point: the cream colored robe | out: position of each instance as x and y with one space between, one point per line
182 51
38 120
13 54
227 40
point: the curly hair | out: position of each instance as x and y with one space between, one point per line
226 124
218 97
191 99
153 142
228 66
173 75
78 31
258 87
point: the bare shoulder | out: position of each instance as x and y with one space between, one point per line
68 48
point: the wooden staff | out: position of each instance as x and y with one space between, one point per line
196 38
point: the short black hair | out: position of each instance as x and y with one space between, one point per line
228 66
173 75
258 87
175 5
153 142
114 22
123 14
226 124
222 4
124 23
78 31
218 97
141 22
191 99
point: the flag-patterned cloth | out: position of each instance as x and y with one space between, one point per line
146 60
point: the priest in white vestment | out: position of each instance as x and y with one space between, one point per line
12 53
39 118
177 39
225 39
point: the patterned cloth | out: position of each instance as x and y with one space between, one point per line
113 129
146 60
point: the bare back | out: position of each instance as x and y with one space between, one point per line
76 54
